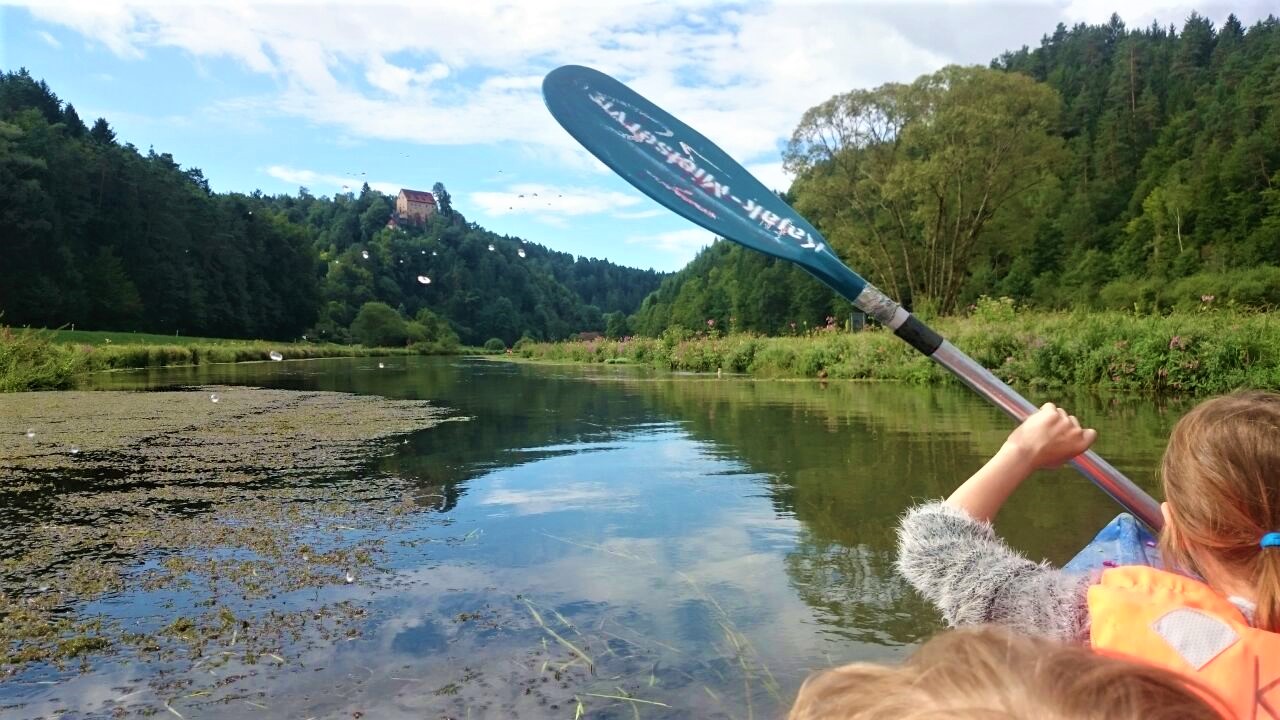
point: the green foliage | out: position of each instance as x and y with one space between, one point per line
100 235
379 325
1148 176
494 345
436 331
1200 352
32 360
47 359
443 200
905 180
616 325
479 293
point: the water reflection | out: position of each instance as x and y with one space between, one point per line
636 542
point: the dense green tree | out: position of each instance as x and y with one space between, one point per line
75 126
905 179
443 202
616 325
102 132
378 325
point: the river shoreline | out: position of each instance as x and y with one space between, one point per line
1183 354
35 360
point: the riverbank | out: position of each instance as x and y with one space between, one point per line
51 359
1197 353
210 509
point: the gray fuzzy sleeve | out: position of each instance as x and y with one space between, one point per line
972 577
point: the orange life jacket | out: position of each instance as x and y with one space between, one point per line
1181 624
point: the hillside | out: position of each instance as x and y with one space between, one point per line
97 234
1130 169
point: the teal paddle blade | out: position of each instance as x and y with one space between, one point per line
687 173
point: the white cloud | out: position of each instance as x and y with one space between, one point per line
549 201
401 81
316 180
771 175
574 496
552 220
641 214
476 67
50 40
682 243
463 73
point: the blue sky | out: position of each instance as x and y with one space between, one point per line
276 96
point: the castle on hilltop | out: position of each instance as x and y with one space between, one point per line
412 207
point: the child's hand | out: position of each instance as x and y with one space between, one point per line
1050 437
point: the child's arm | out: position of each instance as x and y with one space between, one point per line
972 577
1046 439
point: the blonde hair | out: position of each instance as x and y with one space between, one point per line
1222 481
990 673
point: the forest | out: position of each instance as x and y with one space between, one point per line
100 235
1108 168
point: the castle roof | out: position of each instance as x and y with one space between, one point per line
418 196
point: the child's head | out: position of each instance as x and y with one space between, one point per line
988 673
1222 482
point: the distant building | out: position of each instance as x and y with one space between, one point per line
415 206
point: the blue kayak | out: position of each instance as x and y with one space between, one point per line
1124 541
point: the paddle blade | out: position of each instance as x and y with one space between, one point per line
684 171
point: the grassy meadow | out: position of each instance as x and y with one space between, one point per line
1183 353
33 359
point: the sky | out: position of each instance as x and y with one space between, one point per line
327 96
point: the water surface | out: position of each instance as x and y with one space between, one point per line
626 542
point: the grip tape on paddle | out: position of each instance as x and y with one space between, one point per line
918 335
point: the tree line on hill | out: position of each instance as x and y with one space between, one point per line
98 234
1109 167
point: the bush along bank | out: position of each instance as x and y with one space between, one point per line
34 360
1186 353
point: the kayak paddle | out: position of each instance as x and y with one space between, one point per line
688 174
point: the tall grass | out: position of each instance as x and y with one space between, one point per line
50 359
31 360
1188 353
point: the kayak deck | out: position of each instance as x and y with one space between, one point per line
1124 541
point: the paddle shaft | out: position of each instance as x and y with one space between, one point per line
920 336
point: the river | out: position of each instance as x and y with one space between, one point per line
612 541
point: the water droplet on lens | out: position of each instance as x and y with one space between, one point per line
490 247
424 279
433 253
306 557
75 450
277 356
213 397
31 434
381 366
364 254
520 252
424 252
350 578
